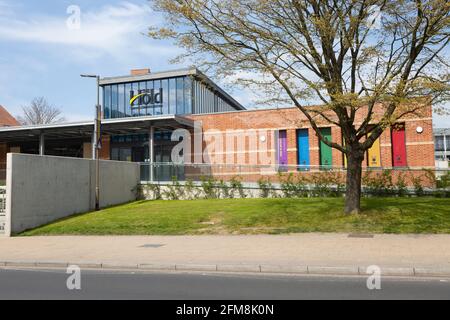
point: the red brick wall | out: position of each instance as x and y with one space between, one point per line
420 147
105 150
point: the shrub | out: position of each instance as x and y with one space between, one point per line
322 184
431 177
226 190
293 188
191 191
264 186
417 183
236 186
209 187
153 189
288 186
175 191
139 192
328 183
378 183
401 184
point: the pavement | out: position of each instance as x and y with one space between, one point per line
315 253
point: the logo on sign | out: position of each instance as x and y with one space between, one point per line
146 97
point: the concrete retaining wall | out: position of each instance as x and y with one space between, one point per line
41 189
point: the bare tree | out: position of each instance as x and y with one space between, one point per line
40 112
354 56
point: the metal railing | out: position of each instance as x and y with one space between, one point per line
166 172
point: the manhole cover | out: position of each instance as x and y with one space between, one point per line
152 245
360 235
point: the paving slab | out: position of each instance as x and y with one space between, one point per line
321 252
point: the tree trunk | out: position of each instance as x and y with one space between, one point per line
353 190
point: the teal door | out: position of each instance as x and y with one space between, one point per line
326 160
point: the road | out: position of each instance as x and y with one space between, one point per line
51 284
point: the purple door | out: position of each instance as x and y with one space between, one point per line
282 148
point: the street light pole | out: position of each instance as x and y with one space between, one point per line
97 134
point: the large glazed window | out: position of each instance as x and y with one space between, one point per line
107 102
121 101
153 97
180 95
114 101
187 95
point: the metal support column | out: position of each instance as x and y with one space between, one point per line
93 145
41 144
96 140
151 152
445 145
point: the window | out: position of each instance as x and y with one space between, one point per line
141 110
114 101
125 154
158 108
187 95
121 104
134 108
107 102
180 96
439 143
172 96
127 100
149 109
115 154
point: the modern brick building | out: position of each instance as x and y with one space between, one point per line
410 144
142 110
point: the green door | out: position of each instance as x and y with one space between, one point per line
325 151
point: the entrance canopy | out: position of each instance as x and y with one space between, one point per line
85 129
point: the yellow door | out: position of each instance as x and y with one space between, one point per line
374 154
343 154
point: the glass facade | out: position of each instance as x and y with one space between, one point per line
441 144
154 97
134 147
180 95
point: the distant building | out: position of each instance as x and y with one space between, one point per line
442 143
6 119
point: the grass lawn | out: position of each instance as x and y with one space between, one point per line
253 216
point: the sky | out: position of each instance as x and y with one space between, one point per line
45 47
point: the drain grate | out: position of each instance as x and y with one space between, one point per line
152 245
360 235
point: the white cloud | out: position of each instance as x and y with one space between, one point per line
114 30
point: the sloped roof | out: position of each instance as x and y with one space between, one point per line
6 119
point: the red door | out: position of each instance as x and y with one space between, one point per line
398 146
